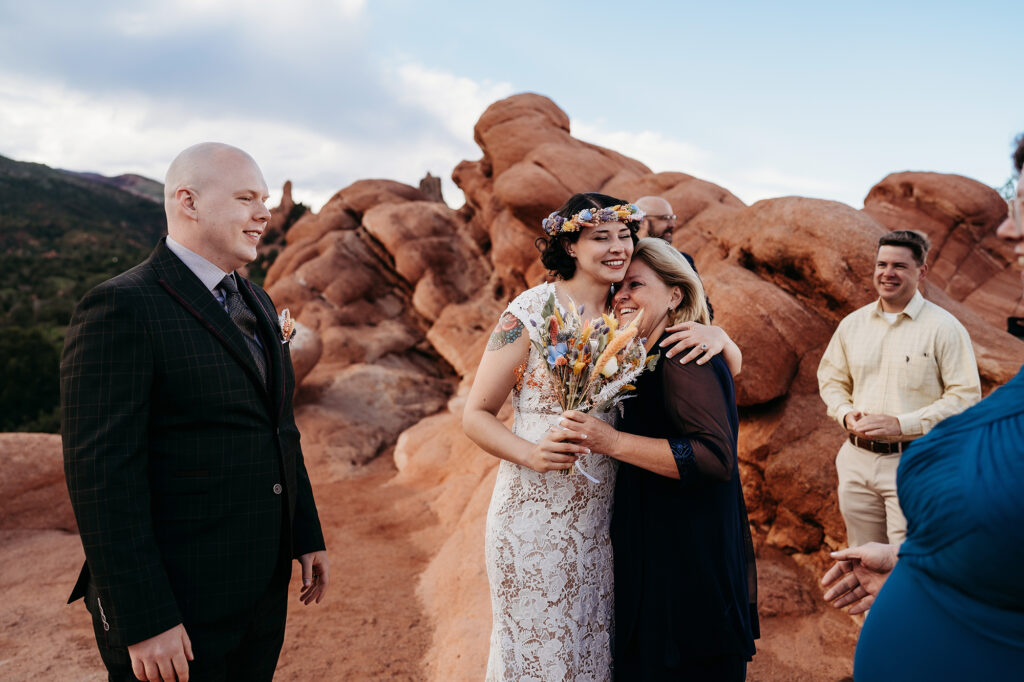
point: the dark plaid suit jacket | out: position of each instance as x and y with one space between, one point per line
184 467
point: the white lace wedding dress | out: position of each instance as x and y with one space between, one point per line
548 551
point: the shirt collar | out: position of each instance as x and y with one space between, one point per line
912 309
208 273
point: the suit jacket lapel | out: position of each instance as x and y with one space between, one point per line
182 284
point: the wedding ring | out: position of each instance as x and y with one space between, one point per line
703 346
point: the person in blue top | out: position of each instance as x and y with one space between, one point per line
948 604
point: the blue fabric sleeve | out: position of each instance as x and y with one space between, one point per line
686 462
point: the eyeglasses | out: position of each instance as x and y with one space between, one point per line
663 217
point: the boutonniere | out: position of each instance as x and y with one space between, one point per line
287 326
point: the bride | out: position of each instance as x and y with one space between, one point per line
548 551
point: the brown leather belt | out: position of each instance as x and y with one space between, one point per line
881 447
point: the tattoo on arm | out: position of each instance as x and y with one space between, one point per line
508 330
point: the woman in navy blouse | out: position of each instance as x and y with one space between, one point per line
685 586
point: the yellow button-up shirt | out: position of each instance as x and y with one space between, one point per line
919 369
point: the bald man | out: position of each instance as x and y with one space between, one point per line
181 452
659 221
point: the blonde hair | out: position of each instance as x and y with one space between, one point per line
672 269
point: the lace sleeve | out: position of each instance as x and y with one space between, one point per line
527 307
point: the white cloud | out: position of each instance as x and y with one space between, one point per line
56 125
170 16
657 151
51 123
661 152
65 127
765 182
454 101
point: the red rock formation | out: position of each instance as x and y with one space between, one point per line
282 217
782 273
306 348
430 185
368 275
396 296
530 165
381 273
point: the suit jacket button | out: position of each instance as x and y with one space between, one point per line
277 488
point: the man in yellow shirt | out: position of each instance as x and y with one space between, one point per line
892 371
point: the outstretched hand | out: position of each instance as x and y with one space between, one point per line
858 575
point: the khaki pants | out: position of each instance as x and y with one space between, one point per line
867 496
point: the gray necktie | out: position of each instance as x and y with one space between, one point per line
246 321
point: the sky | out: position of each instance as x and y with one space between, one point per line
766 99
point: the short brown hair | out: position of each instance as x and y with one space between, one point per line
916 241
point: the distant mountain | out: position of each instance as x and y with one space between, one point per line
44 208
61 233
130 182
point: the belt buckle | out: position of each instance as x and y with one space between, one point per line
877 446
888 447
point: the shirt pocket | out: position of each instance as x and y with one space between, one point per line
919 370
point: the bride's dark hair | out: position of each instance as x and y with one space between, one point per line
553 252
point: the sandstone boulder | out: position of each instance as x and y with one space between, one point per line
363 195
282 216
305 348
431 251
360 410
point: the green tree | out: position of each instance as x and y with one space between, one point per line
29 390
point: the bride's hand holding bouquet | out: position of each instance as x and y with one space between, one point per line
556 451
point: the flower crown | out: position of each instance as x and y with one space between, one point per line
590 217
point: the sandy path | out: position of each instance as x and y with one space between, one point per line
370 626
380 536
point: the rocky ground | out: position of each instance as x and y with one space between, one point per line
371 626
374 624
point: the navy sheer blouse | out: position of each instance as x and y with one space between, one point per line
685 585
